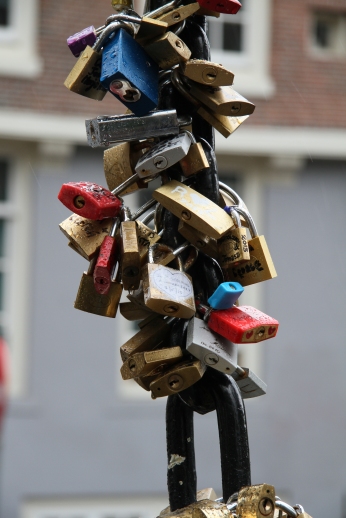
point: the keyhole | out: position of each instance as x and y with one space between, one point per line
260 332
265 506
79 202
179 44
131 271
186 214
131 95
132 365
175 382
176 16
170 308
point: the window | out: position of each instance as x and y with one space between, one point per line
241 43
18 38
328 34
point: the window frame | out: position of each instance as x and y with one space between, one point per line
337 51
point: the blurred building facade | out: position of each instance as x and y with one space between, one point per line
80 442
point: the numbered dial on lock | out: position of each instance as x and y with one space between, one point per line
209 347
163 155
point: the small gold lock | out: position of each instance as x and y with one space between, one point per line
86 235
203 494
150 29
77 250
120 5
89 300
224 125
142 364
195 160
178 378
222 100
84 78
179 14
209 509
168 50
147 339
233 248
206 244
203 11
206 72
131 264
132 311
256 501
146 237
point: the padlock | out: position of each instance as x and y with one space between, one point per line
131 262
106 261
178 378
92 302
142 364
221 6
195 160
225 295
130 74
203 494
233 248
77 250
89 200
211 348
147 338
194 208
168 50
146 237
86 235
209 509
118 163
207 73
202 11
260 266
122 5
250 385
132 311
150 29
168 291
256 501
79 41
163 155
104 130
84 78
222 100
179 14
163 254
243 324
206 244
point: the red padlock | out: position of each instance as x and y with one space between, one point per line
242 324
221 6
106 261
89 200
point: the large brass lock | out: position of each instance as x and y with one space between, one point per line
142 364
177 378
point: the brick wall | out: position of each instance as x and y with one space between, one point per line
309 91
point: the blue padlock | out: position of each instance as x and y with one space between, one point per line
225 295
130 74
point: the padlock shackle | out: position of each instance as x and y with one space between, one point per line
122 18
149 217
147 205
179 85
162 10
232 194
235 216
106 33
247 216
115 227
179 27
190 134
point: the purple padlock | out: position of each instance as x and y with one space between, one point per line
79 41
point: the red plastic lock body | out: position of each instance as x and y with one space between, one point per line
104 265
221 6
243 324
89 200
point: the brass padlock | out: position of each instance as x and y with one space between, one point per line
222 100
209 509
179 14
84 78
146 237
203 494
195 160
178 378
260 266
89 300
119 162
203 11
86 235
148 338
194 208
142 364
150 29
77 250
256 501
207 73
206 244
132 311
168 50
233 248
131 263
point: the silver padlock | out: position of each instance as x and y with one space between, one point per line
105 130
209 347
163 155
250 385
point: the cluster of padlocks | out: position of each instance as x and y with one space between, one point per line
130 57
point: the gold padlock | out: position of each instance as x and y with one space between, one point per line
193 208
77 250
131 263
179 14
204 243
146 237
223 100
132 311
207 73
84 78
209 509
89 300
203 494
147 339
260 266
256 501
195 160
203 11
142 364
233 248
168 50
178 378
119 162
86 235
150 29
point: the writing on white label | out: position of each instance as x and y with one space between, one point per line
173 283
